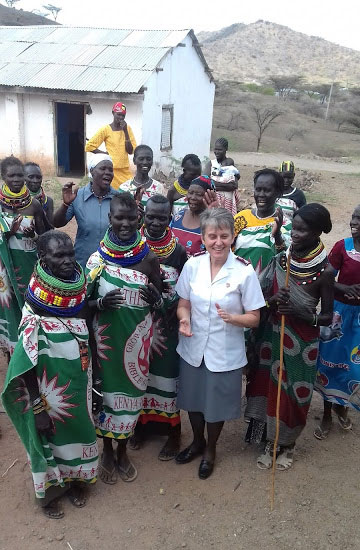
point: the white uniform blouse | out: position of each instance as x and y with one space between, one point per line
236 289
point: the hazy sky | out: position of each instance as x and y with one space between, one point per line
335 22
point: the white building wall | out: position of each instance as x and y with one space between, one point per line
38 129
11 124
184 84
30 123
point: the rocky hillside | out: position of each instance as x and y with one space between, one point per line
12 16
253 52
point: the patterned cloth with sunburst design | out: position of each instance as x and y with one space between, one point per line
51 347
123 338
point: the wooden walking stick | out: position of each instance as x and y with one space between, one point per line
281 368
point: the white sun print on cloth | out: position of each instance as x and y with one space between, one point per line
5 288
101 338
54 397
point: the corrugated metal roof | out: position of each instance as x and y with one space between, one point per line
19 74
129 57
85 58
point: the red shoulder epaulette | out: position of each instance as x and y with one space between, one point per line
199 253
246 262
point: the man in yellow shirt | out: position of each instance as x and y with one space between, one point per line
119 142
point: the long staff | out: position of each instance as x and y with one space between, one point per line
281 368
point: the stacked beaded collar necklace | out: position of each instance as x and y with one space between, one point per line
163 247
310 267
180 186
124 253
40 196
15 200
56 296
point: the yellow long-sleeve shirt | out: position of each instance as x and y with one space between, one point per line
114 142
115 146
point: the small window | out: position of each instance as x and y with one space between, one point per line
166 127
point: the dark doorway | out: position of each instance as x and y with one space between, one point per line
70 132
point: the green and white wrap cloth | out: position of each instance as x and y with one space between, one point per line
160 398
123 337
17 260
51 347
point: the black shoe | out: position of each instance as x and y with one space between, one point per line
205 469
187 455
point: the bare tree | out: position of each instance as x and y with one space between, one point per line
295 132
54 10
263 118
284 85
353 118
11 3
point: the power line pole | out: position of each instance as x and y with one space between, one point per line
330 94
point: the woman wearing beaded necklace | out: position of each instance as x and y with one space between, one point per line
142 185
311 281
47 392
261 232
33 180
339 351
21 217
123 277
177 194
160 413
186 223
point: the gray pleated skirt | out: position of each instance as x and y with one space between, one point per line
215 394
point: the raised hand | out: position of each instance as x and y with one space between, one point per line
279 218
210 199
185 328
15 226
123 125
68 193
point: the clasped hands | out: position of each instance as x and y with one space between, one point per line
115 298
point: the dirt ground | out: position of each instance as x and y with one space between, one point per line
168 506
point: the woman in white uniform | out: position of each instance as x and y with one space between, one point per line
219 297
